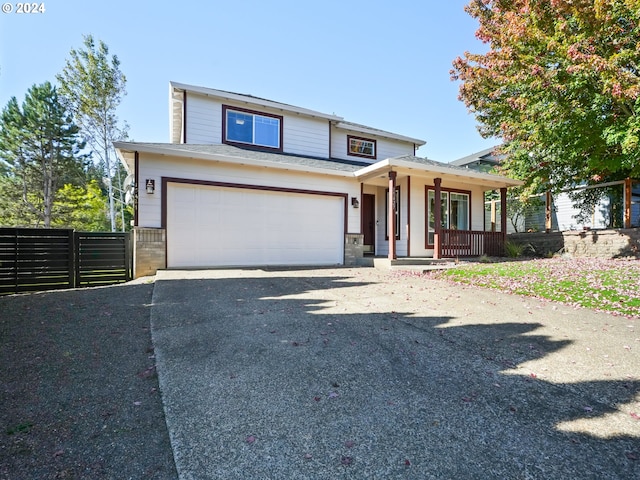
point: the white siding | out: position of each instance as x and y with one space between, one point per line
565 213
393 148
306 136
204 120
301 135
158 166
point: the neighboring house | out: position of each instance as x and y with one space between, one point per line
246 181
564 214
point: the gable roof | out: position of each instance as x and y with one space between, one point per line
406 164
177 91
486 156
412 165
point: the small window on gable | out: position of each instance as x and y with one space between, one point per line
361 147
252 128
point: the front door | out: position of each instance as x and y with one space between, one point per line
369 222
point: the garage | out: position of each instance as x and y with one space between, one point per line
211 225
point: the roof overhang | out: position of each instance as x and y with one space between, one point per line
126 152
378 172
364 130
375 174
238 97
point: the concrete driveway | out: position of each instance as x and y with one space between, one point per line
362 374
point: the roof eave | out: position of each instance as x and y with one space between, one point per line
389 164
221 94
125 147
379 133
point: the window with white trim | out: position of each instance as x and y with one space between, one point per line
252 128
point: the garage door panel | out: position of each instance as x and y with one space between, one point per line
216 226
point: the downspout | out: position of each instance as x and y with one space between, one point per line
136 182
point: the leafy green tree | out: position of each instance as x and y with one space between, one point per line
560 83
39 152
93 85
83 208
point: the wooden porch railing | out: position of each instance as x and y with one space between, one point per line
469 243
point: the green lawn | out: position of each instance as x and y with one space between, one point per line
605 285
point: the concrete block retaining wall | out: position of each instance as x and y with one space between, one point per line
590 243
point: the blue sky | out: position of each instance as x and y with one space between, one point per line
381 63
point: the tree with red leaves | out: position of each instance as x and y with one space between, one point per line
560 84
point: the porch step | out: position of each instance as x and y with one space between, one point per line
410 263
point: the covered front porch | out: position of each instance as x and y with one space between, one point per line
400 217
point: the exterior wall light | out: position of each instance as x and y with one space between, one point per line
150 186
355 203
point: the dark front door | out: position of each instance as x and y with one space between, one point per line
369 222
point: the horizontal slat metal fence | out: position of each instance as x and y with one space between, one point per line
45 259
35 259
102 258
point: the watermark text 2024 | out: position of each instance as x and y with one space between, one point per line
23 7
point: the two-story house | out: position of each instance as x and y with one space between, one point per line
246 181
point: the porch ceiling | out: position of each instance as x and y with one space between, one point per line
378 173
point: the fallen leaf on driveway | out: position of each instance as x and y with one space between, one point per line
250 439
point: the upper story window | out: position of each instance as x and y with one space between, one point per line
361 147
252 128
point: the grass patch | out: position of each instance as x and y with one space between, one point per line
604 285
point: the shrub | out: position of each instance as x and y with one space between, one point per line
514 250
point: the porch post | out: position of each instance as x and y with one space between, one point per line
494 215
627 203
437 218
503 214
548 222
392 215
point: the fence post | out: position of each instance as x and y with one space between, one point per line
548 219
74 263
15 263
627 202
128 256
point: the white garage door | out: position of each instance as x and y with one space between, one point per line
220 226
